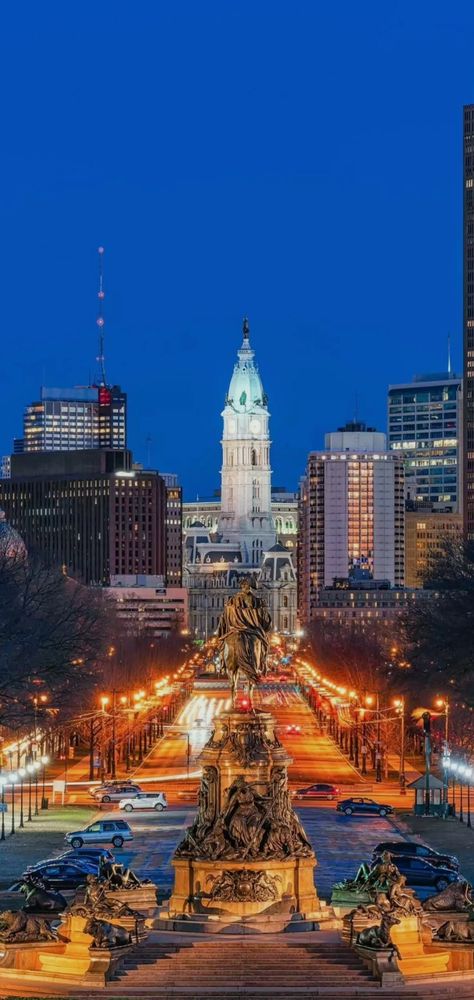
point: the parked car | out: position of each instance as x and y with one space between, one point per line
87 853
61 874
88 865
409 849
368 806
420 872
319 791
105 831
145 800
114 792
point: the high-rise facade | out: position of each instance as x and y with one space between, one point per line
174 529
89 512
468 319
351 516
425 536
76 419
425 427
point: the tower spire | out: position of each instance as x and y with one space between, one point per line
449 353
100 319
245 329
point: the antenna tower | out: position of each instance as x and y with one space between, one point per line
100 319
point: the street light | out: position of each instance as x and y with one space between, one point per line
36 767
3 782
400 708
22 772
12 779
30 769
444 703
44 761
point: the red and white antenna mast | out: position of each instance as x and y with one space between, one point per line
100 318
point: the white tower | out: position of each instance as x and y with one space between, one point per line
246 474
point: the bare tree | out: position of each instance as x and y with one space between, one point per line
52 635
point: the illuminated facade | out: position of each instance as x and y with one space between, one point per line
146 606
228 539
76 419
425 534
425 428
284 508
351 516
468 318
89 512
174 530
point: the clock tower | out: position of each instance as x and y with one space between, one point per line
246 474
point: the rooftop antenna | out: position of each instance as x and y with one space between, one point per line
449 353
148 450
356 408
100 319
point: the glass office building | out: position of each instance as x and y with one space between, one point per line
425 427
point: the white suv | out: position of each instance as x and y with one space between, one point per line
144 800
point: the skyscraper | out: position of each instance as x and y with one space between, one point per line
468 318
77 418
88 511
425 428
351 517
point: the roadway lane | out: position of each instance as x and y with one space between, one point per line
315 756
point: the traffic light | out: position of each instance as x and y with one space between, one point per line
426 723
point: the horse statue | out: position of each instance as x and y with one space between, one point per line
243 638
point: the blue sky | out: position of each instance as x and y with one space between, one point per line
296 162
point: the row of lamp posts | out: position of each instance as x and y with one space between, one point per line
29 775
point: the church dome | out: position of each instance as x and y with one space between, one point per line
246 390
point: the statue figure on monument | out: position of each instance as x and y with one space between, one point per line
243 637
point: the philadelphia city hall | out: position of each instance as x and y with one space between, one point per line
242 534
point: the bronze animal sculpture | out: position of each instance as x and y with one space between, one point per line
39 899
107 935
20 927
378 935
457 896
456 931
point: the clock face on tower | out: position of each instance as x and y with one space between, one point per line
255 425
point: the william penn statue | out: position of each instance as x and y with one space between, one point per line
243 637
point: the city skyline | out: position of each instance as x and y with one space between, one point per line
272 195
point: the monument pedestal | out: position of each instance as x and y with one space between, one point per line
246 854
413 959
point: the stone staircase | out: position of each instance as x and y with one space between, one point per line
226 966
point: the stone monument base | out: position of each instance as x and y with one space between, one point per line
413 958
280 886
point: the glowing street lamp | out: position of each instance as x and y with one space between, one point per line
444 703
44 761
22 772
399 704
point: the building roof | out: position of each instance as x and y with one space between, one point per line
246 390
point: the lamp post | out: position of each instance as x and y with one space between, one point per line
3 782
445 760
454 768
30 769
13 778
364 741
444 703
22 772
461 772
469 774
400 708
36 768
44 761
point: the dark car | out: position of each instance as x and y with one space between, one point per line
420 873
62 874
318 791
87 854
367 806
409 849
